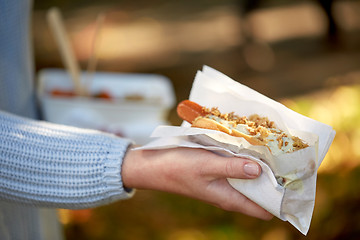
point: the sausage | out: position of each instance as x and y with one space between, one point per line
256 130
189 110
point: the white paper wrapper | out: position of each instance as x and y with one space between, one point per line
293 199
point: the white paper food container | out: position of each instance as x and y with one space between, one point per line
293 202
134 119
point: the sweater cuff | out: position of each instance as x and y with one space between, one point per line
112 171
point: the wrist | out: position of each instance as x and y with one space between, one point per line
146 170
127 169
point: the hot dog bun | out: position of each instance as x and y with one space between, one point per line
256 130
207 123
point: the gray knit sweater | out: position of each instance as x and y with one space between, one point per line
44 164
50 165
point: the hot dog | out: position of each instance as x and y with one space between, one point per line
254 129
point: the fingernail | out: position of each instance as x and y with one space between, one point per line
252 169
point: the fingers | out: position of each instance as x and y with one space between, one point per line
224 195
231 200
232 167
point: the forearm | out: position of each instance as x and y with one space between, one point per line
51 165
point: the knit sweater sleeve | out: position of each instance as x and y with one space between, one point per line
50 165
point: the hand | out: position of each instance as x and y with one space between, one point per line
195 173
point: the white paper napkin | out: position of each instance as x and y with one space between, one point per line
294 201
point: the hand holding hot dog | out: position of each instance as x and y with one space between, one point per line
195 173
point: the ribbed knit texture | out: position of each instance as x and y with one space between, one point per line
42 164
52 165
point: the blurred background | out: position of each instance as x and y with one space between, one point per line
305 54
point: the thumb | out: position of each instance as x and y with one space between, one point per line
235 167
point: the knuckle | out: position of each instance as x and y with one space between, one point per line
230 168
228 205
235 202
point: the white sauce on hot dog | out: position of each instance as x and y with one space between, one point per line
276 140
